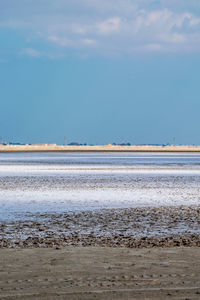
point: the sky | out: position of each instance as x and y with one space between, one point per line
100 71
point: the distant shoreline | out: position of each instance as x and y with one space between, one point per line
104 148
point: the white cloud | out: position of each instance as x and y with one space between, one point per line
173 38
114 26
73 43
88 42
61 41
38 54
153 47
109 26
31 52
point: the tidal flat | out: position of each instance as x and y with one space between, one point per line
99 225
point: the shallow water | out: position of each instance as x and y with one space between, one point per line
56 182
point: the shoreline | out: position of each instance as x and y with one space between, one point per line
129 228
103 148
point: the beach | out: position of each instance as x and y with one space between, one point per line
98 148
100 273
99 226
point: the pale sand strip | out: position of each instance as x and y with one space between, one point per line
100 273
103 148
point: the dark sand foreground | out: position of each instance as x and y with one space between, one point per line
100 273
143 254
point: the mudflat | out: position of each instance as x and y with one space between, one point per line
131 228
100 273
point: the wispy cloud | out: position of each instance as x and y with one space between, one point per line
31 52
38 54
114 26
109 26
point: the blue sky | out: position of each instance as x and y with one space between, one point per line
100 71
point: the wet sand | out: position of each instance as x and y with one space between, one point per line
132 228
100 273
142 253
102 231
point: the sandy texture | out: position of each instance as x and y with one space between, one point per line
100 273
99 148
133 228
